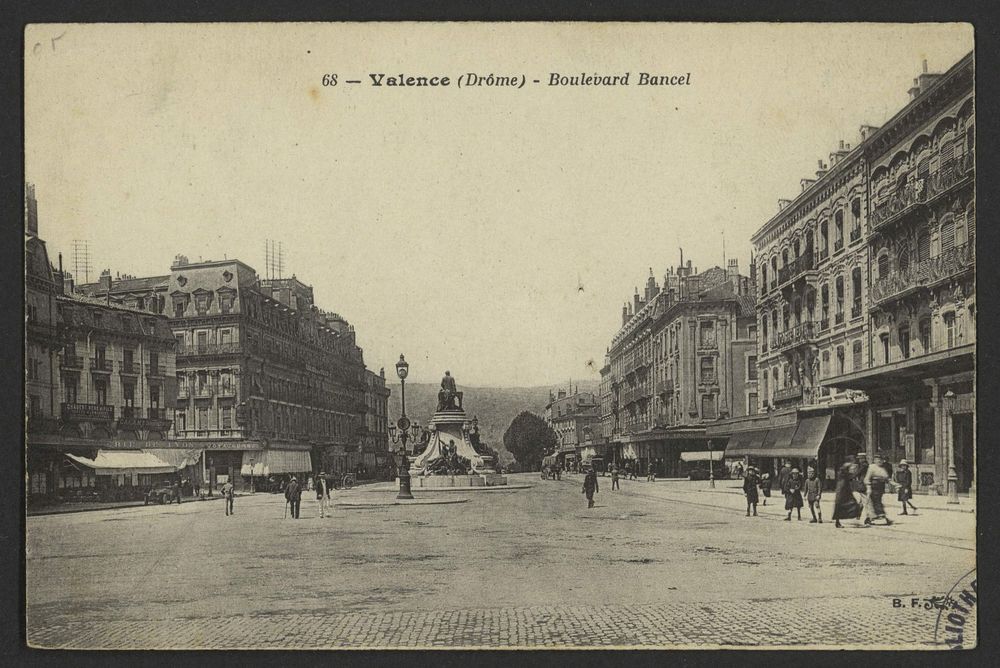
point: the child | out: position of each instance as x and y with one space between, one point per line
793 494
904 478
765 486
750 489
814 492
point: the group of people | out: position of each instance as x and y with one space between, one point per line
859 491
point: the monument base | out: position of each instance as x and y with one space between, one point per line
466 480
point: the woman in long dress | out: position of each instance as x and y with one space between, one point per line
845 506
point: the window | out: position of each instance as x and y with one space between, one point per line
764 379
856 291
903 261
785 318
708 407
856 218
154 396
774 378
784 258
226 303
34 406
225 336
752 367
751 331
154 362
825 304
752 403
884 339
949 328
201 302
178 308
840 295
838 230
925 335
825 366
763 332
970 221
708 334
202 418
857 363
774 322
101 392
904 341
947 235
128 394
128 359
923 246
824 238
179 338
202 338
33 366
763 278
708 370
71 383
227 417
883 265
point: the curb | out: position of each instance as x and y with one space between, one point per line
397 502
72 511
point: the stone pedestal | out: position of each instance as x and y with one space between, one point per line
450 427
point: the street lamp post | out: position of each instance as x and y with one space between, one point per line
711 466
404 434
251 476
949 397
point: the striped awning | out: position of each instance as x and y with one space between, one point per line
117 462
176 457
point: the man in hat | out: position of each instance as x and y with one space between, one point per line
793 494
904 478
322 493
814 492
293 494
750 490
876 478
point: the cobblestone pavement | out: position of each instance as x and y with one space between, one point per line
648 567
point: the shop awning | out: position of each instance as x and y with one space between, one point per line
176 457
777 439
746 443
272 462
807 438
703 456
117 462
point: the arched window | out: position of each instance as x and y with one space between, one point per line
904 260
904 341
856 292
923 246
824 238
784 257
797 247
883 265
947 235
925 335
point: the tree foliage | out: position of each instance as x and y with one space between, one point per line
529 439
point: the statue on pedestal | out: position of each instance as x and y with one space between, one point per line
449 398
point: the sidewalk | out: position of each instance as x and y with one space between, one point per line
64 508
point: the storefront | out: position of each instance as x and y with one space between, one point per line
270 466
113 475
660 450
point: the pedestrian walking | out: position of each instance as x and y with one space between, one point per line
590 487
614 478
293 494
861 486
750 483
876 480
322 493
738 470
651 473
177 491
793 494
228 492
845 506
904 478
783 473
765 486
558 471
814 492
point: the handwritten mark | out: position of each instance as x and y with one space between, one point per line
53 40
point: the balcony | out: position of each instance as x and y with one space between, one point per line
128 368
87 412
947 178
899 204
796 269
204 392
210 349
100 364
72 362
924 274
796 336
786 394
132 420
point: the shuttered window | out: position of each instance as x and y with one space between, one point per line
883 266
947 236
923 247
970 222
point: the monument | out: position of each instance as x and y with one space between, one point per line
453 455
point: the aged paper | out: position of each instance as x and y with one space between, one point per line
500 336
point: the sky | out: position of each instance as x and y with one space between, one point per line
494 232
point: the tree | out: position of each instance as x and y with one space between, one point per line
528 438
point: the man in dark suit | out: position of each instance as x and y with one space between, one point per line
293 493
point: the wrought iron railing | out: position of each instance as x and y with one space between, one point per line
924 274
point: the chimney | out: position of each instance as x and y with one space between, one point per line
915 89
867 131
624 314
822 169
179 261
105 281
30 210
635 299
782 203
805 183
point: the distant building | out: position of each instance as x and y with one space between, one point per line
684 357
375 446
575 418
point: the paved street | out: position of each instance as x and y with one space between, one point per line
661 564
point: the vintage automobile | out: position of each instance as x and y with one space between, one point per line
699 471
160 494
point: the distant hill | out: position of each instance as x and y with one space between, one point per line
494 406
